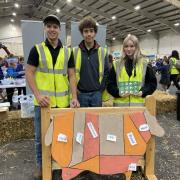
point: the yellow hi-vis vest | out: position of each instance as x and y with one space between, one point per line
53 82
101 57
173 69
124 83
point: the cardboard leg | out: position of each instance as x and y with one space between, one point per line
149 160
46 150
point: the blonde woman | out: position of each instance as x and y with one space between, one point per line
131 78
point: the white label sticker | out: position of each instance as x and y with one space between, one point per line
131 138
92 129
62 138
111 137
79 137
144 127
132 167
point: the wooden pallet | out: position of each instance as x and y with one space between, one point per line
147 162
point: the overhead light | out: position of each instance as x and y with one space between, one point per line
149 30
16 5
14 14
12 20
97 24
69 1
176 24
113 17
113 38
138 7
57 10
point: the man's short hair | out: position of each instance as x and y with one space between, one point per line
51 19
88 22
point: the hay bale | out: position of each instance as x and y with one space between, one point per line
164 102
13 127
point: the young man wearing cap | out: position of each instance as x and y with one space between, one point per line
91 65
49 72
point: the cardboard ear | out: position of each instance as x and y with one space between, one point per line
154 126
49 134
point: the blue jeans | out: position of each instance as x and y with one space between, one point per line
37 125
90 99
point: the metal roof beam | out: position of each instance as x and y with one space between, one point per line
175 3
59 4
144 13
108 16
11 4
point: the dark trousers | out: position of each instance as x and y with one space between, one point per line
20 89
9 92
90 99
173 77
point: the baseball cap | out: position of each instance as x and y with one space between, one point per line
51 18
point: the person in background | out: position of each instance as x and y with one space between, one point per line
50 74
1 77
132 78
165 74
1 71
110 58
174 72
91 63
11 73
3 63
21 73
11 70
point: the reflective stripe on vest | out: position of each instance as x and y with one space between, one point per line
45 68
53 82
58 94
173 69
122 76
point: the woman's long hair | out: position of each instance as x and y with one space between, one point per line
175 54
137 55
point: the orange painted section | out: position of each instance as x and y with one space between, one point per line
91 145
91 165
140 147
62 151
139 119
116 164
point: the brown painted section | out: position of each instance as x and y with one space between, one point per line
79 123
111 124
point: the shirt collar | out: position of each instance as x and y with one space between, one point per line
49 45
82 45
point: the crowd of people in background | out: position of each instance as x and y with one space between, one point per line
12 67
168 70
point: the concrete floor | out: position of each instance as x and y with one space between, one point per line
17 159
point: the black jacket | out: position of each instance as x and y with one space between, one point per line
150 80
89 72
